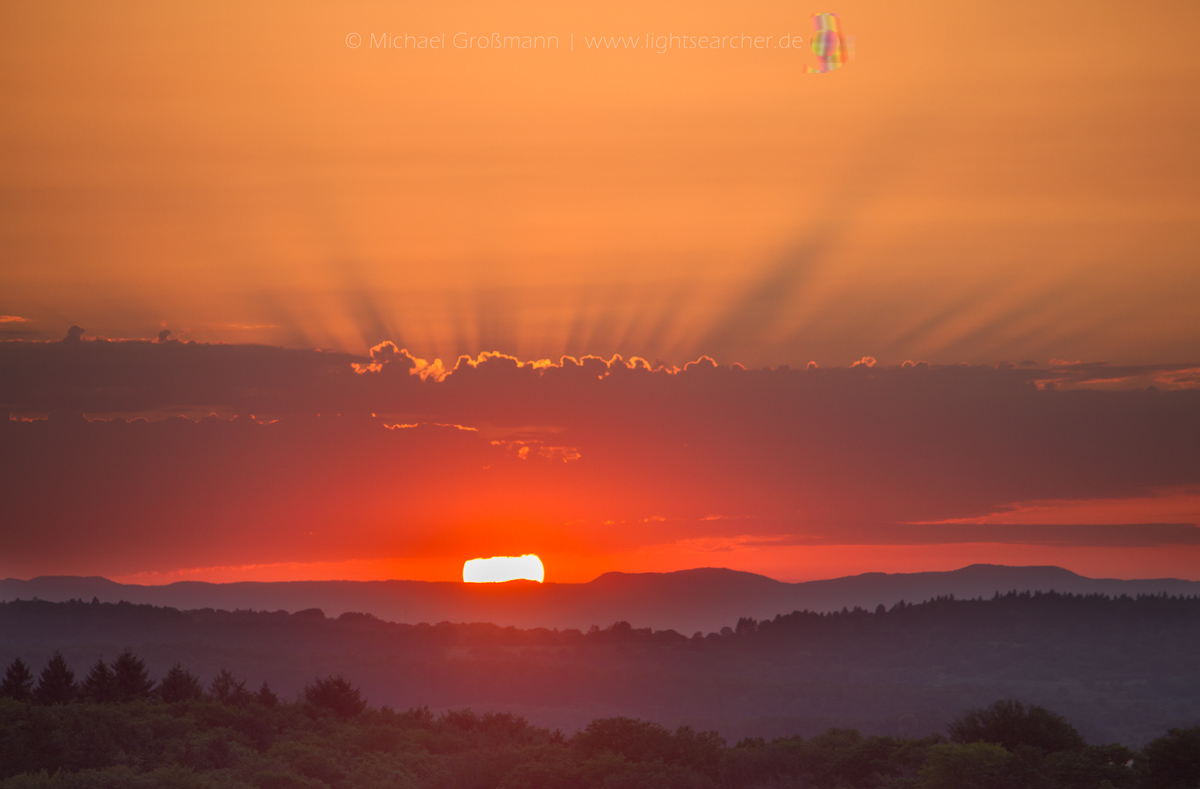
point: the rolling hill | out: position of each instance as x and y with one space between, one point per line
703 599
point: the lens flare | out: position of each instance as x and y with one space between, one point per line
504 568
829 44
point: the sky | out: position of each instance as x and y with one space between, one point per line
357 296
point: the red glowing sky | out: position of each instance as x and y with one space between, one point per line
1008 192
320 464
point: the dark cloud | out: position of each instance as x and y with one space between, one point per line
1069 535
140 376
828 455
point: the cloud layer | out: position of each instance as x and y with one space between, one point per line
315 456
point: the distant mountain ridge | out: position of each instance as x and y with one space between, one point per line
703 599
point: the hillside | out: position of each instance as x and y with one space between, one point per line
689 600
1121 670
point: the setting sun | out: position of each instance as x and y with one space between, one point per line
504 568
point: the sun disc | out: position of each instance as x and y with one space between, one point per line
504 568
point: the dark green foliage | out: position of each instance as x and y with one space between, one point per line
636 753
976 765
813 665
206 743
846 757
227 689
266 696
1106 766
644 742
637 741
336 695
180 685
1010 724
1173 760
18 682
549 773
100 685
130 678
56 685
1120 669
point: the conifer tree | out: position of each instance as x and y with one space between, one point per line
266 696
180 685
227 689
18 682
132 681
56 685
100 684
337 695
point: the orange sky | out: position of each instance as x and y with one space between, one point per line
982 183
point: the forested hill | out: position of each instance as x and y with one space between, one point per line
1121 669
686 600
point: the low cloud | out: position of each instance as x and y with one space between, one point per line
316 467
1059 535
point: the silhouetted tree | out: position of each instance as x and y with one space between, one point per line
337 695
1010 724
132 681
227 689
746 625
845 758
1173 760
56 685
100 685
18 682
636 740
979 765
699 750
180 685
266 696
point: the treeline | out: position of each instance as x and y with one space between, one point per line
118 728
1029 613
1122 669
124 681
1026 612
